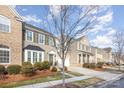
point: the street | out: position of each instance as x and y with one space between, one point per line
116 84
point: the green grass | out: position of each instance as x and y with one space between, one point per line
74 73
33 81
87 82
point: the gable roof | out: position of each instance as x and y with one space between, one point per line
19 17
29 26
32 47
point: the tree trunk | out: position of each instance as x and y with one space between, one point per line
63 75
119 65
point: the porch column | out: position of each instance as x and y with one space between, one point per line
82 58
86 58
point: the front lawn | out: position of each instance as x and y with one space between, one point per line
74 73
18 80
87 82
80 84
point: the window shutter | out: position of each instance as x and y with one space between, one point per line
35 37
47 40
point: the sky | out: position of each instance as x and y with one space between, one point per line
110 19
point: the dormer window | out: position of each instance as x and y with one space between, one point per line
5 24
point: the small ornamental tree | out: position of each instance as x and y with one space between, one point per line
68 22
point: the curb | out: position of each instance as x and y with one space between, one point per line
104 83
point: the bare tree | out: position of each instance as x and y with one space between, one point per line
118 43
67 23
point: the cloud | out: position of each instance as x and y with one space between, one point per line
32 18
103 21
104 40
103 30
54 9
24 9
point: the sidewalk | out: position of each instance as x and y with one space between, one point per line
100 74
52 83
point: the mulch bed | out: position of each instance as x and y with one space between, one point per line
19 77
99 69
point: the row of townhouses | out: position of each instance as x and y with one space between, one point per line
22 42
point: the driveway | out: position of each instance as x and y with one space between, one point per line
100 74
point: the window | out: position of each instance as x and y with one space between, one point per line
41 39
29 56
34 57
51 42
4 24
79 46
87 48
40 57
4 55
83 47
29 35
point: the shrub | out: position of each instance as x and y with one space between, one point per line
38 66
27 70
14 69
100 64
45 65
86 65
26 63
2 69
54 69
108 64
92 65
65 68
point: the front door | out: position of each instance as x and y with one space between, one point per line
79 58
51 58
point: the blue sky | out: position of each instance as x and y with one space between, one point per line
110 19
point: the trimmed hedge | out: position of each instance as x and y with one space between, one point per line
86 65
2 69
45 65
100 64
92 65
26 63
38 66
27 70
14 69
65 68
53 69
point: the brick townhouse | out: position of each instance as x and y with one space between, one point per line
21 42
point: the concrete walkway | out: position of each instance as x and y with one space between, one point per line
100 74
52 83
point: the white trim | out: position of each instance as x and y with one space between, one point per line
32 36
39 35
15 12
8 20
32 51
9 55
